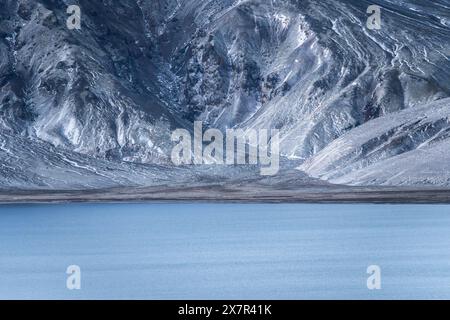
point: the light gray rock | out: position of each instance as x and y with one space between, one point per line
114 90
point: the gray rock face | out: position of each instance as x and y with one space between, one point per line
91 91
346 99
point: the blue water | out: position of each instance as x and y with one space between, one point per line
219 251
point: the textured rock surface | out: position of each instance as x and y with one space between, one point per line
358 106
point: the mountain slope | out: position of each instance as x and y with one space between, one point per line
345 99
410 147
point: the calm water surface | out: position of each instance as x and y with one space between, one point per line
224 251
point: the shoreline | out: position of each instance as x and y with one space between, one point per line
220 194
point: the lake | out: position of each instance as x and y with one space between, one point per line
224 251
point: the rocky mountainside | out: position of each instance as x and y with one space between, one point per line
353 105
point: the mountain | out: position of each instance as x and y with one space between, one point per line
95 107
